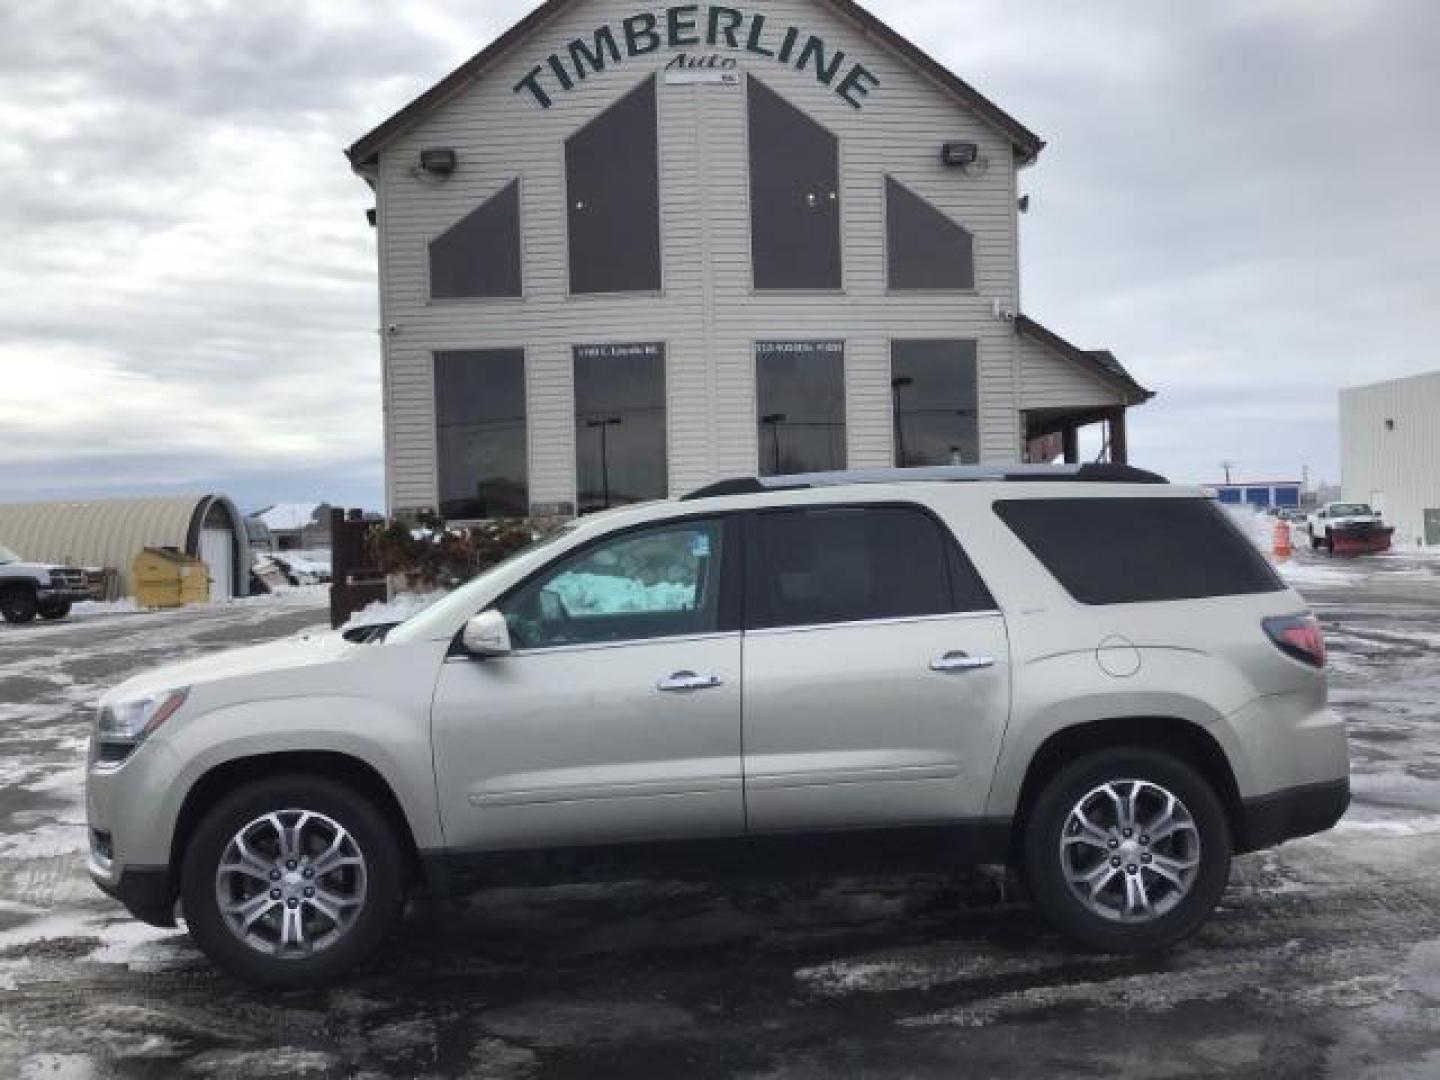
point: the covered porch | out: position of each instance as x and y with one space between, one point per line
1063 389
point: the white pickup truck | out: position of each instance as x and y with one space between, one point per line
28 589
1357 523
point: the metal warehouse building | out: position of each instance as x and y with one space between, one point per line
111 532
627 250
1390 453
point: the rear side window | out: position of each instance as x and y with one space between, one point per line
1125 551
847 564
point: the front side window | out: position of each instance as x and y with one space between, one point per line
480 434
480 254
612 183
619 424
800 400
794 196
934 393
848 564
924 249
659 582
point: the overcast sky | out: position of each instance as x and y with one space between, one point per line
1238 198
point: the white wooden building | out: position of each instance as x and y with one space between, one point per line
627 250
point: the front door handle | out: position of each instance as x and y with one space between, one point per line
957 660
684 681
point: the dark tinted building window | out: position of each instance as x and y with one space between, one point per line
846 564
480 254
480 421
800 391
794 196
612 183
619 424
934 394
925 249
1121 551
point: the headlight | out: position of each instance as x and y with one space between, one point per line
122 726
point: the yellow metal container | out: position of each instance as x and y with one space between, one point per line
167 577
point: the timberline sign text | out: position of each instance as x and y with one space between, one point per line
693 26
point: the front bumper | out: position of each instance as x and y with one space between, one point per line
74 596
1272 819
146 891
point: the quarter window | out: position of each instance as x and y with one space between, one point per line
794 196
800 397
845 564
612 182
480 422
934 395
1125 551
924 248
620 424
480 254
660 582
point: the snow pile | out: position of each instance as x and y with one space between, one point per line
602 594
1255 524
396 609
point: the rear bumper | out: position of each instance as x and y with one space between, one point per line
1298 811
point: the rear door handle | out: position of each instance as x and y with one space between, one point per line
684 681
957 660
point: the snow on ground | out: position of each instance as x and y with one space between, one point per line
1323 961
397 609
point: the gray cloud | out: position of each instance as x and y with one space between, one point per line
1235 199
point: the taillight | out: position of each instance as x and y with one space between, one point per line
1298 636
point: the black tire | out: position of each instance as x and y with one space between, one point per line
55 609
1329 542
18 605
1314 540
1046 874
386 880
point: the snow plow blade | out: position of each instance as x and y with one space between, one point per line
1362 540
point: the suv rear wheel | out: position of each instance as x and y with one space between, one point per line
292 881
18 605
1127 850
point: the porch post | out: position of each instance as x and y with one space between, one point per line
1119 449
1070 440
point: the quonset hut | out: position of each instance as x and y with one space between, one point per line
111 532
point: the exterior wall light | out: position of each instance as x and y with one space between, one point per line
960 153
438 161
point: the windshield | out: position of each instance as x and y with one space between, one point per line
460 603
1349 510
7 556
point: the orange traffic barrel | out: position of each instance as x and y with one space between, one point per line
1283 548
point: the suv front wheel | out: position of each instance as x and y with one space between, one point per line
1127 850
292 881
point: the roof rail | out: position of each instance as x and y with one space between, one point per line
1084 474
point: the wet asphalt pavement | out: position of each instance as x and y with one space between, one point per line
1323 961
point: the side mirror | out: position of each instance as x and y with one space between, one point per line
486 635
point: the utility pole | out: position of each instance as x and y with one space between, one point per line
1227 466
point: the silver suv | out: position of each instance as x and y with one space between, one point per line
1086 673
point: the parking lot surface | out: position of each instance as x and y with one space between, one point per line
1324 959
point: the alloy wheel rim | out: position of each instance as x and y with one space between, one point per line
1130 851
291 883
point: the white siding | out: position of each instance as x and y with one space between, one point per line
1397 468
1051 381
708 314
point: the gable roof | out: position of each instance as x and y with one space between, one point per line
1099 362
1026 143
